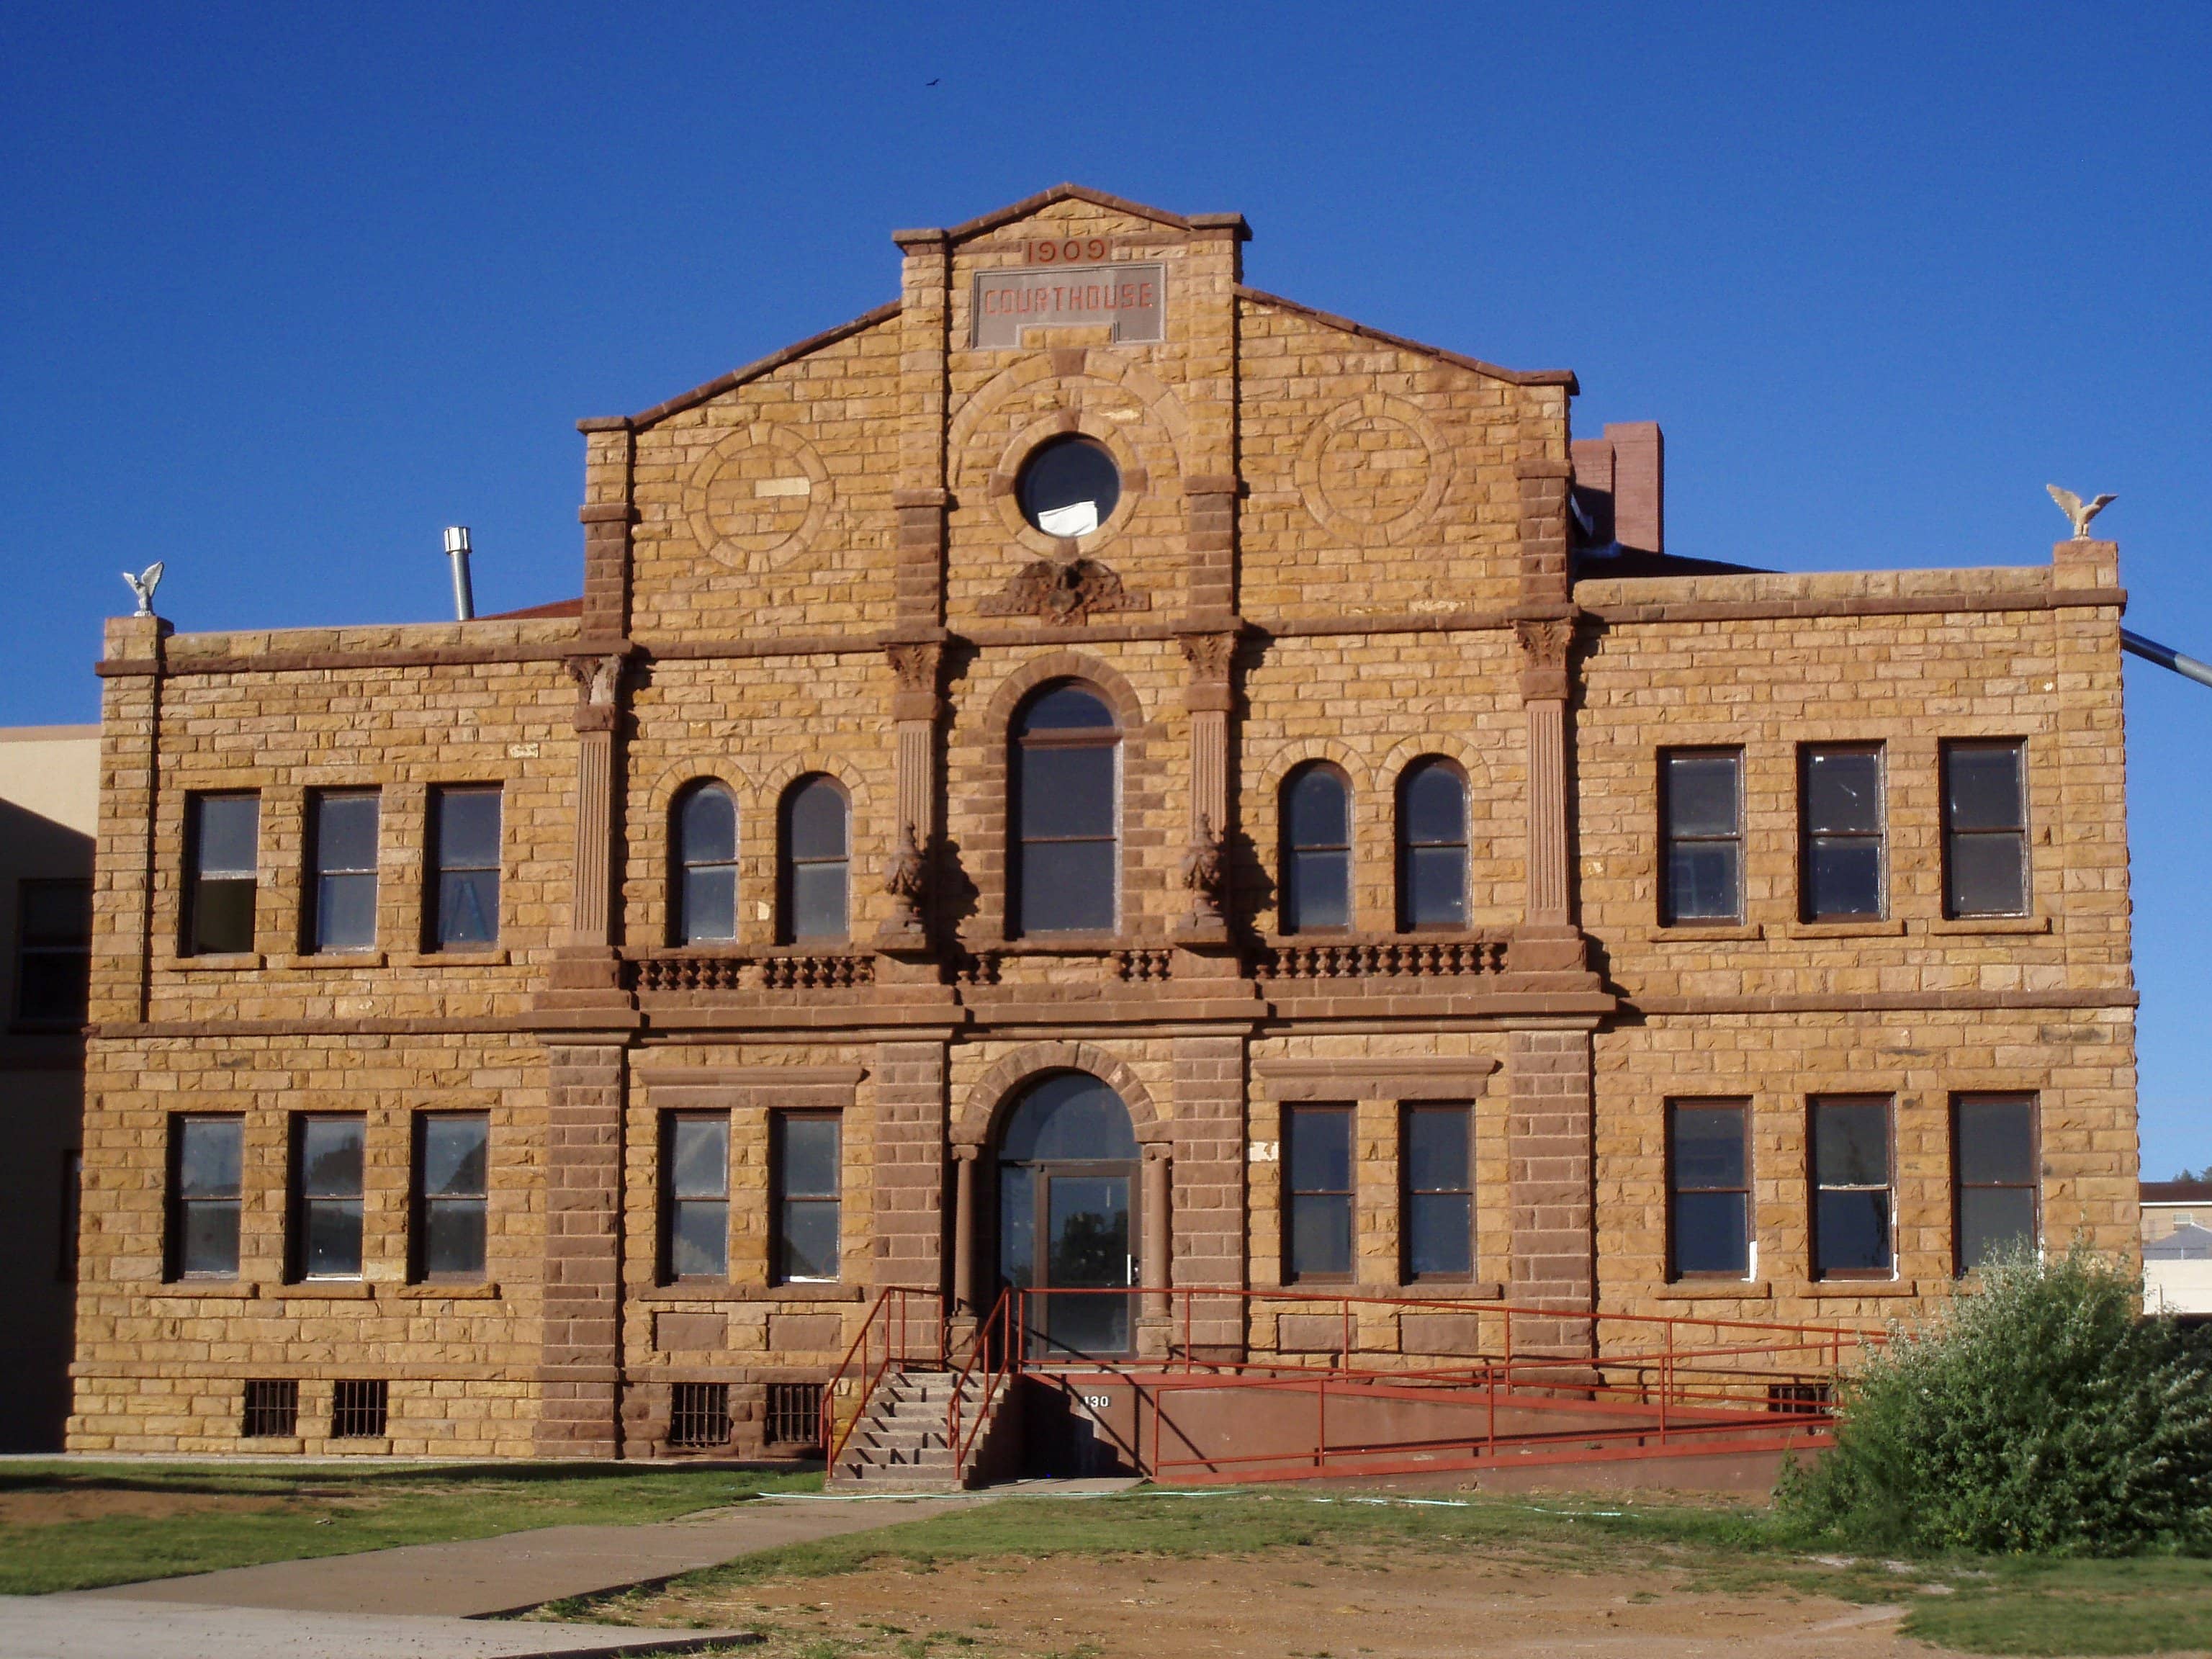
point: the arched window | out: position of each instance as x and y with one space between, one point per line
1066 814
816 872
704 905
1431 845
1317 862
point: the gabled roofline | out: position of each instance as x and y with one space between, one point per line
1067 192
738 377
1564 377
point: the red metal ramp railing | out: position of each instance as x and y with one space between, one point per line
904 1330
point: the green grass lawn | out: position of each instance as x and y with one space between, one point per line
66 1525
2008 1606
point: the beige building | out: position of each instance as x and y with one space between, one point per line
49 800
1091 774
2176 1247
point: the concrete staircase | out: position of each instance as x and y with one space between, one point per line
899 1443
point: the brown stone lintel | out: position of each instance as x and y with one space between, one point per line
607 512
930 499
613 1021
1212 483
599 1374
1547 950
1532 467
725 1293
1875 1002
1875 604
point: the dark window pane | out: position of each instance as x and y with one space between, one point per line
1701 880
1843 791
710 904
1320 1151
333 1241
1440 1228
1068 486
1089 1219
1844 878
1711 1233
1436 887
207 1246
708 831
1982 787
1017 1224
330 1157
1067 886
1318 892
1069 1117
1988 875
1997 1142
55 913
53 987
1435 1149
1701 794
1066 792
810 1157
1851 1146
699 1157
817 820
1065 709
468 907
1852 1232
818 901
1708 1147
1321 1233
809 1244
345 833
699 1238
454 1155
1316 809
1435 805
230 833
468 828
208 1157
345 912
222 916
1992 1219
454 1236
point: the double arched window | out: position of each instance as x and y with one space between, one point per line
816 873
704 905
1065 813
1317 865
1431 845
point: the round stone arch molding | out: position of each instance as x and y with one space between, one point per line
1470 760
1264 817
1374 470
758 496
769 791
990 1097
1120 696
656 843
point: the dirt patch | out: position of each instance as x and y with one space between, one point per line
1340 1603
45 1508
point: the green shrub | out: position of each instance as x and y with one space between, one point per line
2038 1411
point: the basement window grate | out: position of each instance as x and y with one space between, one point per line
795 1414
1794 1399
699 1415
359 1409
273 1408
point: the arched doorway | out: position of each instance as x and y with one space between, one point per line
1067 1169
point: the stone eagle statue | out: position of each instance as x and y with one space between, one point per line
2070 505
144 584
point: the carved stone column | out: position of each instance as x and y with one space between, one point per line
1155 1268
906 936
1209 696
967 1296
587 961
1546 939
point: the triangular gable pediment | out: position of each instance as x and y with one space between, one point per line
1031 206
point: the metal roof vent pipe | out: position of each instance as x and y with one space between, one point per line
456 549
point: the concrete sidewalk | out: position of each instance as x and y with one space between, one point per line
480 1576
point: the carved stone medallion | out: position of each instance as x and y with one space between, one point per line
1374 470
758 496
1063 592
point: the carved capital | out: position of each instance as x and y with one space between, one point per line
1544 641
598 679
1209 655
915 665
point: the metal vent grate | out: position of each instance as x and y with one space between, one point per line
1789 1398
699 1415
795 1414
359 1409
273 1408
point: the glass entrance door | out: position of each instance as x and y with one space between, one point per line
1086 1248
1068 1170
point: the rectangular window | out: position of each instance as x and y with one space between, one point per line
451 1160
342 847
1437 1171
1701 809
360 1409
464 861
206 1155
326 1171
270 1408
1317 1201
694 1183
1708 1189
1853 1202
804 1164
1839 810
1993 1173
1985 829
53 951
222 863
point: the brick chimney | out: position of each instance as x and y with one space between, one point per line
1621 484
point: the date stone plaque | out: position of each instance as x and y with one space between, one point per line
1131 297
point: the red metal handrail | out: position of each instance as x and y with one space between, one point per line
1000 1321
884 1341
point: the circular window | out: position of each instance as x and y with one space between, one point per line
1068 486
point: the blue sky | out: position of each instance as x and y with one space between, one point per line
289 289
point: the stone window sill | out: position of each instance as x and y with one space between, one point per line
1850 1287
195 1289
454 959
227 962
325 1289
1956 925
1695 932
709 1290
1891 927
433 1290
1714 1290
1438 1290
327 960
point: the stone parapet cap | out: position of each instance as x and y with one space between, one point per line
1764 587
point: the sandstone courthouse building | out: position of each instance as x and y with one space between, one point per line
1089 773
